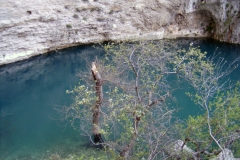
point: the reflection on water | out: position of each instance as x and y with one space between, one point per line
30 90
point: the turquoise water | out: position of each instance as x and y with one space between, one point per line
29 93
31 90
229 52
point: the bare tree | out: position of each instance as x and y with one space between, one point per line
96 111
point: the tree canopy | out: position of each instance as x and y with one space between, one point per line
126 105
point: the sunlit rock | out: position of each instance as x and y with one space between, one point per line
228 155
178 149
29 28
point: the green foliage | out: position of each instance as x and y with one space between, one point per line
225 123
75 16
227 21
68 25
136 86
83 154
210 27
84 98
95 9
88 157
151 76
111 12
78 10
137 98
216 128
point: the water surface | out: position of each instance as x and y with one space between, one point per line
30 127
29 93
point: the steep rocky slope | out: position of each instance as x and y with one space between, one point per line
33 27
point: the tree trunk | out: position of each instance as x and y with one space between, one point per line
125 152
96 111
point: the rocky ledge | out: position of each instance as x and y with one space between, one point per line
33 27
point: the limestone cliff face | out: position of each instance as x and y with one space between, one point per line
223 16
32 27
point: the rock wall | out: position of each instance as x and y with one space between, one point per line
33 27
224 15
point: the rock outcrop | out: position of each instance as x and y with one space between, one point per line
33 27
228 155
179 150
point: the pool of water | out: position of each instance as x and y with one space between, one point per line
229 52
31 90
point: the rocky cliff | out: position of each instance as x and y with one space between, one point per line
32 27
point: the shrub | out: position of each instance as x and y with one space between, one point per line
75 16
95 9
77 9
68 25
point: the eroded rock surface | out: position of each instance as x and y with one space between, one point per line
33 27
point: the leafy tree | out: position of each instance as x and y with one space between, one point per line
219 127
127 99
